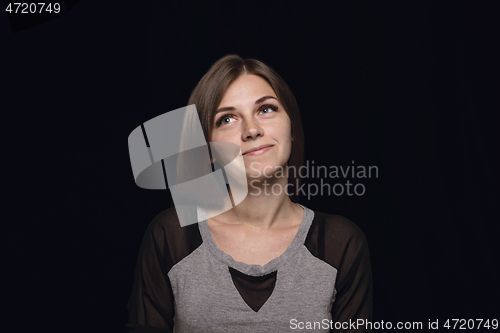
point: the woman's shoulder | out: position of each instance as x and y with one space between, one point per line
165 228
337 240
164 222
338 229
168 221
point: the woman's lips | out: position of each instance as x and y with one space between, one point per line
258 152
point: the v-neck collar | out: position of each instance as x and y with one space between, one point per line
271 266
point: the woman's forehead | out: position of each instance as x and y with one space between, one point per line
246 89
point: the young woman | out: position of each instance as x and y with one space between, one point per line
268 264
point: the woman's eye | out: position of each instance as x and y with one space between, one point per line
224 120
269 108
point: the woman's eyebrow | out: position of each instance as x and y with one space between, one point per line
230 108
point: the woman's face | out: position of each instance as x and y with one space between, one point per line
251 116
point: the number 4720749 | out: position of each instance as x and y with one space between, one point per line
33 8
463 324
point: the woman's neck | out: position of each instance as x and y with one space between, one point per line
266 206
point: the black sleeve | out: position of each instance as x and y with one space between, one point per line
353 300
342 244
151 305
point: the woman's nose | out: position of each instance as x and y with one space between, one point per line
251 130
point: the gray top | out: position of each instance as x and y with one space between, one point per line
184 283
206 299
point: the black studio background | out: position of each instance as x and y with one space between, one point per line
406 86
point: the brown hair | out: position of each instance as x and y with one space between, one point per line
209 92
